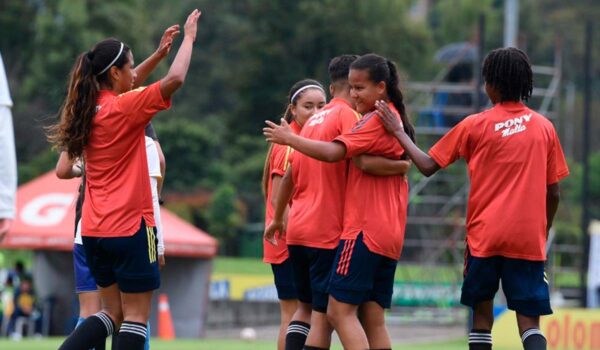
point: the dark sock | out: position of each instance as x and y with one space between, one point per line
115 338
101 345
308 347
132 336
533 339
296 335
90 332
480 339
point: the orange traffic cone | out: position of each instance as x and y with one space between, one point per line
165 321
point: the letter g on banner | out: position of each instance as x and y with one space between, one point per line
48 209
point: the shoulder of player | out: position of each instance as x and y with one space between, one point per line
479 117
345 111
281 152
476 120
134 91
277 150
542 119
368 120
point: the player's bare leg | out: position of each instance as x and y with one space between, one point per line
480 337
343 318
287 310
373 321
320 331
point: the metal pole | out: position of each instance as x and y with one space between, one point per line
511 22
585 198
478 99
571 90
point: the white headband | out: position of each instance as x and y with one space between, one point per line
113 61
304 88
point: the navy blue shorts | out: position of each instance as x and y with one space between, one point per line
284 280
84 281
360 276
523 281
312 270
131 262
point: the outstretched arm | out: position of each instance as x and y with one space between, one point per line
324 151
381 166
426 165
179 68
144 69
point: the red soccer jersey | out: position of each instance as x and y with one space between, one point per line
375 205
512 154
117 190
278 164
316 218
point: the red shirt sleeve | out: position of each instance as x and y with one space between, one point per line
557 164
141 104
280 159
451 146
363 136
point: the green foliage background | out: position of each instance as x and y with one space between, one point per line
247 55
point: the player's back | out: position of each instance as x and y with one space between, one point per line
511 155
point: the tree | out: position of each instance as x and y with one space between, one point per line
224 218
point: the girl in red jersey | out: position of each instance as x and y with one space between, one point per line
305 98
374 211
102 121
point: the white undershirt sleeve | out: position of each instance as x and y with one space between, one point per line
157 221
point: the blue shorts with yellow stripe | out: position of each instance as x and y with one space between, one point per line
131 262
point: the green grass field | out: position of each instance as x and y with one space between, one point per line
404 272
53 343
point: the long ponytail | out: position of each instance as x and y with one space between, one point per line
294 94
395 95
72 131
91 68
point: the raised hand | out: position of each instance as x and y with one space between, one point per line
278 133
390 119
167 40
191 25
273 228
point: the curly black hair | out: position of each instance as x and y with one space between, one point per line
509 72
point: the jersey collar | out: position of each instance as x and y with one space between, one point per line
338 100
511 106
296 127
104 94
